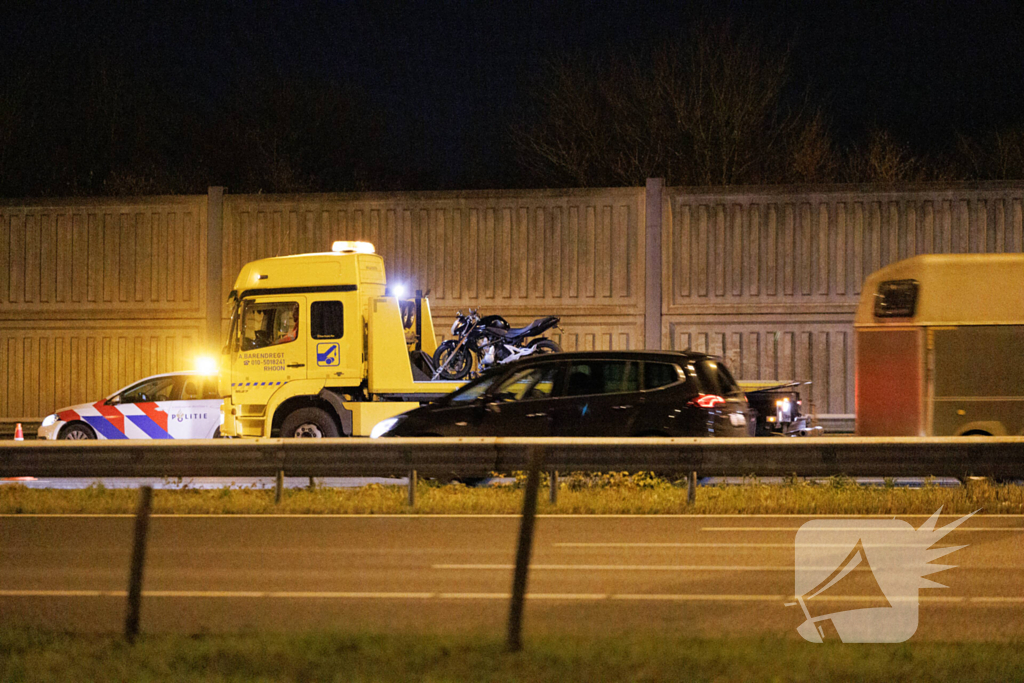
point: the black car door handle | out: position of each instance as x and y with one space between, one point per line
296 365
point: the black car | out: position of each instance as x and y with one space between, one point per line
611 393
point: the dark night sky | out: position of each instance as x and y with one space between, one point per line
450 73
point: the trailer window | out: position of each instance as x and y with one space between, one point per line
896 299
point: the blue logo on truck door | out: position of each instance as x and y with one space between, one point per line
327 354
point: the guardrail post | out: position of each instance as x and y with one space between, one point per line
279 487
691 489
526 524
553 494
131 622
412 488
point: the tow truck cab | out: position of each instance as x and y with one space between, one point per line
317 347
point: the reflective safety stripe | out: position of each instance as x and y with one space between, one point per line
149 426
155 413
103 426
112 415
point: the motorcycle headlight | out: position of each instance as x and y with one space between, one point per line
49 420
455 326
383 427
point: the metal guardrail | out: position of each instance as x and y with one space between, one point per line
1001 457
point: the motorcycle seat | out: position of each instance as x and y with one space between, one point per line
536 327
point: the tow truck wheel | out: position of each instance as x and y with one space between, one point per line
76 431
309 423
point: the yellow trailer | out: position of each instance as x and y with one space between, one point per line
939 347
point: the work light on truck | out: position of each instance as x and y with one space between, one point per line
352 247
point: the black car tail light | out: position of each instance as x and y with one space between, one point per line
708 401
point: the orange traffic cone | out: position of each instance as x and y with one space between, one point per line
18 434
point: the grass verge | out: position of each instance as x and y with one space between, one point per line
578 494
35 656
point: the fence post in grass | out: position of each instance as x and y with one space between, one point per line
691 489
131 622
526 524
412 488
553 494
279 487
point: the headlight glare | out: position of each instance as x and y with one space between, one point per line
383 426
49 420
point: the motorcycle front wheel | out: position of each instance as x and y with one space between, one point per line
459 365
546 346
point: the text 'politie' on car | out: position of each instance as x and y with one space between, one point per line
614 393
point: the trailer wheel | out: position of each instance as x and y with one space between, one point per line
309 423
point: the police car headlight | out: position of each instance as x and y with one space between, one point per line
383 426
49 420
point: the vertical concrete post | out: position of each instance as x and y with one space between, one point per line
523 550
214 265
131 621
652 280
413 481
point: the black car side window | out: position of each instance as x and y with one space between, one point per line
472 391
602 377
660 375
528 384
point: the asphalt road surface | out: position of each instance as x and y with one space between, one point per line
699 575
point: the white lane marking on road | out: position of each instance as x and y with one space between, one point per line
677 567
823 528
621 567
378 595
734 545
708 597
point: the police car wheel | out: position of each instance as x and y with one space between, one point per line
76 432
309 423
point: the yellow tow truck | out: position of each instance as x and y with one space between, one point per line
319 348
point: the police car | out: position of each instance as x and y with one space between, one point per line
181 405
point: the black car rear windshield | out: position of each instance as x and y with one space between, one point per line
715 378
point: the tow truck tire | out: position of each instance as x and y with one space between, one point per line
309 423
76 431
